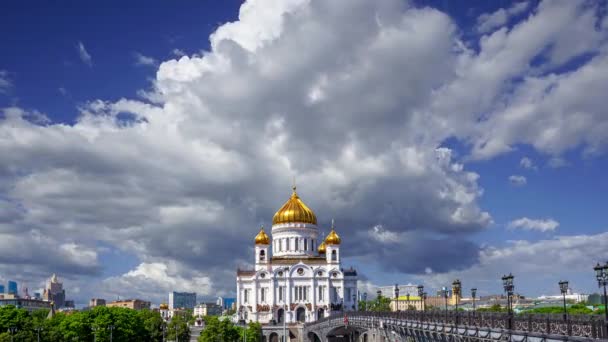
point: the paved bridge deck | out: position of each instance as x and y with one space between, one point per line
455 326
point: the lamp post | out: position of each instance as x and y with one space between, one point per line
601 273
38 330
420 294
445 300
164 328
396 297
111 328
456 286
473 294
94 328
365 300
424 301
12 330
507 283
355 302
563 287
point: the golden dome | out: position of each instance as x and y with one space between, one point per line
321 249
294 210
164 306
333 238
262 238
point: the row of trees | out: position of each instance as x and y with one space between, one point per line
223 330
98 324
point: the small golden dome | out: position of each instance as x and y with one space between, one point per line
294 210
164 306
333 238
262 238
321 248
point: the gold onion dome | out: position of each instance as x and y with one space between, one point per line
321 248
294 210
333 238
164 306
262 238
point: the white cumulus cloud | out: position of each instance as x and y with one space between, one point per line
541 225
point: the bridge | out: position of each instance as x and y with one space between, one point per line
454 326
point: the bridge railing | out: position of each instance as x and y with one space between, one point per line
592 326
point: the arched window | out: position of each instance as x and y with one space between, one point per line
305 244
334 255
262 255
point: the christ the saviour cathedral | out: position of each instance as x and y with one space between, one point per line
296 278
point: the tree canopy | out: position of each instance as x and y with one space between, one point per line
122 323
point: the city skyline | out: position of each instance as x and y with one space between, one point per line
447 141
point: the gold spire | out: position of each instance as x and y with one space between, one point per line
321 248
294 210
333 238
262 238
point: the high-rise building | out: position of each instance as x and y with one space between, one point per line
12 287
1 289
54 292
182 300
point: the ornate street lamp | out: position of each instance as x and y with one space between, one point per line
473 294
38 330
407 306
563 287
445 300
365 301
95 329
601 273
420 293
456 286
424 301
397 297
12 330
507 283
354 302
111 328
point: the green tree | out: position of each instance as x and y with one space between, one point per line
152 324
493 308
379 304
253 332
217 330
177 329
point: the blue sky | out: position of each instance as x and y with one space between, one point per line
447 139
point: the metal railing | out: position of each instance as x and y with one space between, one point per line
585 326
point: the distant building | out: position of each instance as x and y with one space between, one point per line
404 290
69 304
576 297
226 303
25 303
207 309
12 287
54 292
135 304
404 303
182 300
165 314
1 289
97 302
595 299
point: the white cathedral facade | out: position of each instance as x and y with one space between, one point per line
295 278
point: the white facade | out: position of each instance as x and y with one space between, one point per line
292 279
